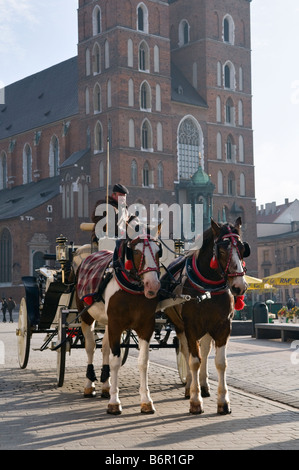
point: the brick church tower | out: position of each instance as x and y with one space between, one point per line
169 82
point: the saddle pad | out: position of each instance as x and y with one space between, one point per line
92 271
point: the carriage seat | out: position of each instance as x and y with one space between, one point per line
32 299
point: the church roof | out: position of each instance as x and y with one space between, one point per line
19 200
182 91
40 99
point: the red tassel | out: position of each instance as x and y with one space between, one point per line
239 303
214 263
129 265
88 299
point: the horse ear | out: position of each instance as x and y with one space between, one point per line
215 228
238 223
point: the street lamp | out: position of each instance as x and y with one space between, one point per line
62 253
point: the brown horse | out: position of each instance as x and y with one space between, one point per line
214 277
128 301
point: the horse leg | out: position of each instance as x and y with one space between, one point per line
90 346
196 403
143 363
114 405
105 375
205 348
185 351
223 407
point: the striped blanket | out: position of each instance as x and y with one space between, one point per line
91 273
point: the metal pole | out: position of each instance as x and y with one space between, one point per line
107 183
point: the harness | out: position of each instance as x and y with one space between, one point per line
128 276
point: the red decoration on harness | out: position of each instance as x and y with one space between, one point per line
239 303
129 265
88 299
214 263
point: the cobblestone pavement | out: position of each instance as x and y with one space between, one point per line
35 414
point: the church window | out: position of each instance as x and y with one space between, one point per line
27 164
184 33
131 133
96 20
134 173
54 157
228 30
229 76
3 171
142 18
242 185
97 105
146 175
231 184
98 138
130 53
145 97
159 137
96 59
144 57
190 145
229 112
146 136
220 182
160 175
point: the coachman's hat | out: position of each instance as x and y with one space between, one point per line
119 188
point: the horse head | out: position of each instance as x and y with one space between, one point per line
143 262
228 254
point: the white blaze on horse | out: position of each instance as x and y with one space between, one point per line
214 277
128 301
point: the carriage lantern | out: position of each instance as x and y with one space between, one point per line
62 253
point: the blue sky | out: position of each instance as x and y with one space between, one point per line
36 34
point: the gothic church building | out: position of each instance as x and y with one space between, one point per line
167 85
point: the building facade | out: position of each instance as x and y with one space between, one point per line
159 94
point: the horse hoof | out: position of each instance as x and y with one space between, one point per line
187 393
224 409
90 392
205 392
105 393
114 409
196 409
147 408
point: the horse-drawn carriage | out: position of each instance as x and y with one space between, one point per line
207 285
49 308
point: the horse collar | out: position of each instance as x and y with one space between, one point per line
199 282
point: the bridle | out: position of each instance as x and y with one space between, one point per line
146 241
233 239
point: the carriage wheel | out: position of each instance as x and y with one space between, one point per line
124 351
61 351
181 361
24 335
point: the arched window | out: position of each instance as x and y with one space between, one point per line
98 138
96 59
54 156
228 29
229 76
218 109
144 57
130 53
146 136
241 148
231 184
156 59
97 100
219 146
5 256
240 113
159 137
134 173
101 175
160 175
131 133
87 62
230 149
3 171
229 112
107 54
27 164
130 92
146 175
220 182
184 33
242 185
87 105
158 97
68 199
145 97
190 145
109 96
142 18
96 20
